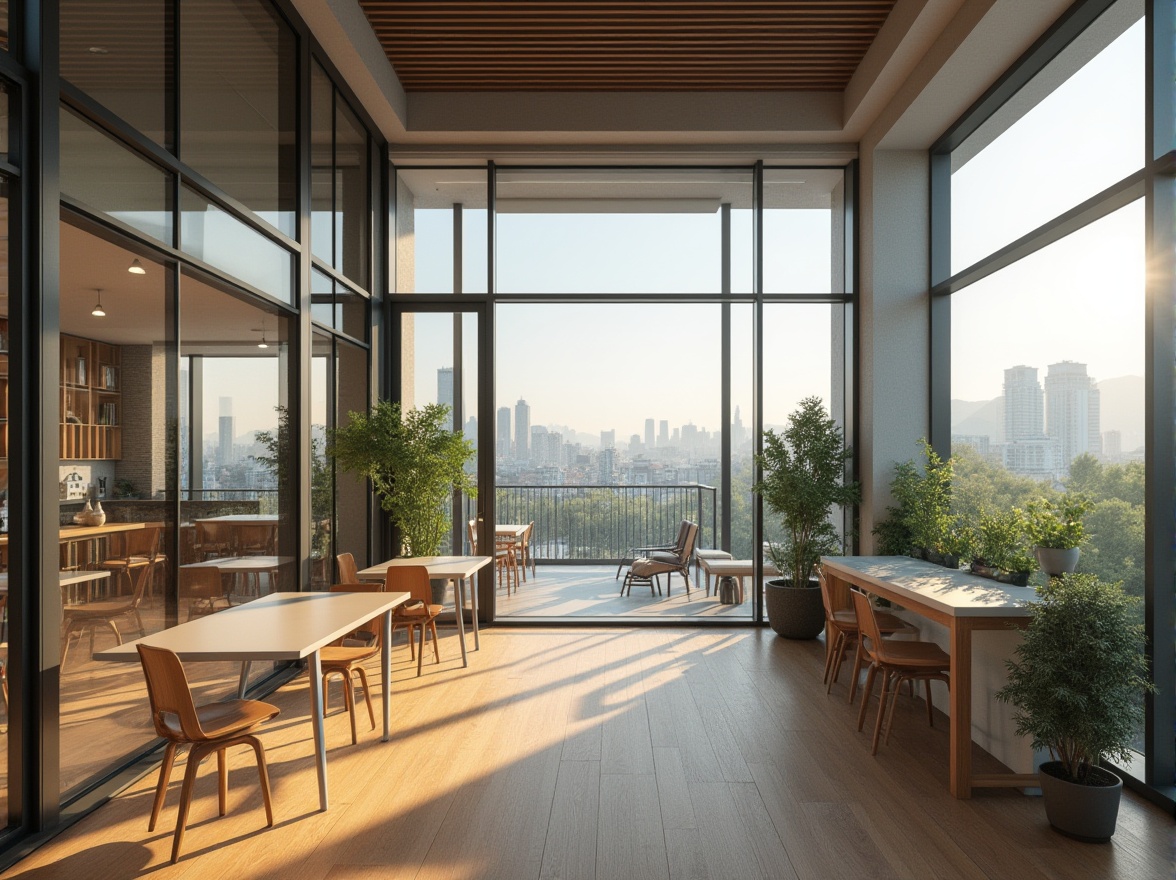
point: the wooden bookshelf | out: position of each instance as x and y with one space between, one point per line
91 399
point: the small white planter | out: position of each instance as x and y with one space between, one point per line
1056 561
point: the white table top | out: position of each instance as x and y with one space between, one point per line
242 563
735 567
511 529
955 593
281 626
66 578
438 566
244 518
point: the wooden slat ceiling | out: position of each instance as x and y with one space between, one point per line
631 45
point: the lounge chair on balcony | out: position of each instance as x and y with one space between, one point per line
636 552
646 569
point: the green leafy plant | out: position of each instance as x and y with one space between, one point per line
803 478
1057 524
1077 677
922 518
1001 541
275 458
414 464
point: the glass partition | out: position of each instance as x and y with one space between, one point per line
804 238
441 217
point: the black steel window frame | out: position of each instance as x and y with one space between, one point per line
1155 182
33 65
757 298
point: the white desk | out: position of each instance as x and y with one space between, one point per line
281 626
961 602
453 568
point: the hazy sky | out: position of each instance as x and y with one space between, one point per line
1082 298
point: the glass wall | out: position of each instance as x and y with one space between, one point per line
117 472
238 104
10 424
1048 353
436 207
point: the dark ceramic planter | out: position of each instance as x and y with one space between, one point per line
794 612
984 571
1014 578
1083 812
947 560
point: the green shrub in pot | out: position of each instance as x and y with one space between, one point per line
1057 531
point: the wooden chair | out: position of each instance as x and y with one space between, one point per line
76 619
348 573
348 655
203 587
140 549
213 540
418 612
255 539
210 728
841 625
524 551
898 661
503 556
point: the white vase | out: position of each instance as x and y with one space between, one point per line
98 515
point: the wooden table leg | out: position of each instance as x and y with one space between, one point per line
243 679
473 586
960 740
316 719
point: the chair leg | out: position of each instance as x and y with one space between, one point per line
195 756
831 662
421 650
264 778
898 679
165 769
858 656
886 676
436 645
367 694
869 690
930 715
349 700
222 780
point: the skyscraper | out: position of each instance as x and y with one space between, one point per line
648 434
503 432
1023 407
1072 411
522 430
608 439
663 433
445 387
224 451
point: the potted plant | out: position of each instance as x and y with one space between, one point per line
803 478
1001 548
414 464
922 524
1075 683
1057 532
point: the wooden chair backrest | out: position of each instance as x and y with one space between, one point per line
143 542
214 533
262 536
868 624
374 625
826 594
348 573
411 579
201 583
169 694
472 531
527 534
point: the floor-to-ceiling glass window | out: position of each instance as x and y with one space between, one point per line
11 422
1047 285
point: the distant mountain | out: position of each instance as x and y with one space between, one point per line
984 418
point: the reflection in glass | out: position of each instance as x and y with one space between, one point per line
322 165
5 122
117 397
220 239
108 178
322 494
351 386
238 103
1074 130
352 188
614 231
11 423
120 54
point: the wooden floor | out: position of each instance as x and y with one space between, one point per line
618 753
587 591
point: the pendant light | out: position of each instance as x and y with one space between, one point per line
98 311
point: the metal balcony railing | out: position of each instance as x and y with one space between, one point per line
601 523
